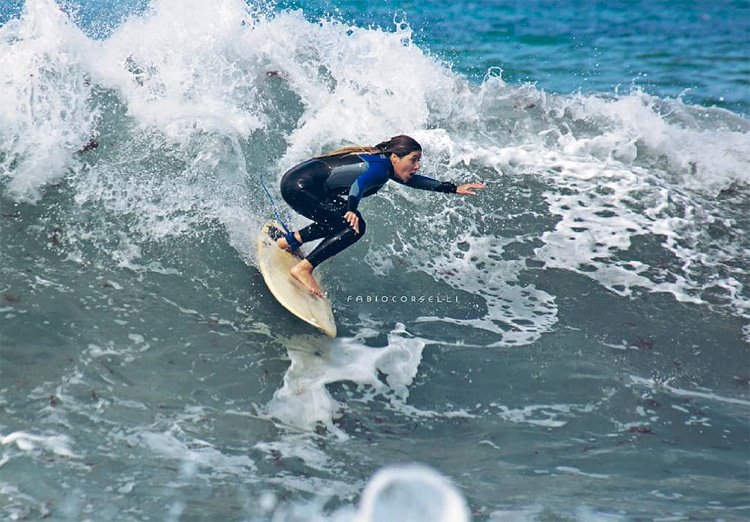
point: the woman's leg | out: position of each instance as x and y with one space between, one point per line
327 215
328 223
303 189
337 241
340 239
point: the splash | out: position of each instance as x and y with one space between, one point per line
45 116
304 401
157 135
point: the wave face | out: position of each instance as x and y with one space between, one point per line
609 249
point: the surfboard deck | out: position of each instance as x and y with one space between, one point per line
274 264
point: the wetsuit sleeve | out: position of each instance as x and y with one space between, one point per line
425 183
374 176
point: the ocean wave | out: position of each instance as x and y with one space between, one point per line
161 130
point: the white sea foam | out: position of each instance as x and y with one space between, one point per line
605 202
44 115
187 85
575 471
29 442
304 402
651 383
191 101
194 455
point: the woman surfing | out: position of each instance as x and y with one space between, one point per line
327 189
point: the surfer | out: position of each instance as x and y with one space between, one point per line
327 189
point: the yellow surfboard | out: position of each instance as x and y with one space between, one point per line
274 264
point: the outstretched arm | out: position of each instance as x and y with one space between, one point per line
425 183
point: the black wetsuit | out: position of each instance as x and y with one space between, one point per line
324 189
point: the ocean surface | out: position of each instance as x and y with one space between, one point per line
572 343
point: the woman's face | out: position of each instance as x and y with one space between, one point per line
404 168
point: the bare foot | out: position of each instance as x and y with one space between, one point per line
302 272
283 244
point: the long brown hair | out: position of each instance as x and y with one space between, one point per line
400 145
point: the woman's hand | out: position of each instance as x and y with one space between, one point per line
467 189
353 220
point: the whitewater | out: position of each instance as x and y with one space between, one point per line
570 344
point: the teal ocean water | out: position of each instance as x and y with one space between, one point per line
573 343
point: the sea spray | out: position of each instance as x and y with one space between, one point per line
597 311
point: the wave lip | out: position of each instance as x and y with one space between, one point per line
45 116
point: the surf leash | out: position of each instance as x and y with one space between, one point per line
273 205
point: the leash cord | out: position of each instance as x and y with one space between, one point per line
273 205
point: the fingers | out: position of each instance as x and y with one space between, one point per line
466 189
353 220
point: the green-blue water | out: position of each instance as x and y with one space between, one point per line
570 344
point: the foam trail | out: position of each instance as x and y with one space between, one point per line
57 444
304 402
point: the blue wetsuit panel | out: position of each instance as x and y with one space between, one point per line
357 176
377 174
362 175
